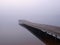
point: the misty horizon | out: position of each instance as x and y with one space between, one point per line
37 11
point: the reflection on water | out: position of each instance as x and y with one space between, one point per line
12 33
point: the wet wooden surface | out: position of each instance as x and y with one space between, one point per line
47 28
43 36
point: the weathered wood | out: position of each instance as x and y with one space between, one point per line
42 34
54 30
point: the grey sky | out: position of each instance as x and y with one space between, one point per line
40 11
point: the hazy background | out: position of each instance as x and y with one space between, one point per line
38 11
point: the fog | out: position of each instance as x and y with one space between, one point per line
37 11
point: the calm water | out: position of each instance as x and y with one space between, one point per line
12 33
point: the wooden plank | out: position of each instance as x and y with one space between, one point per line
46 28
